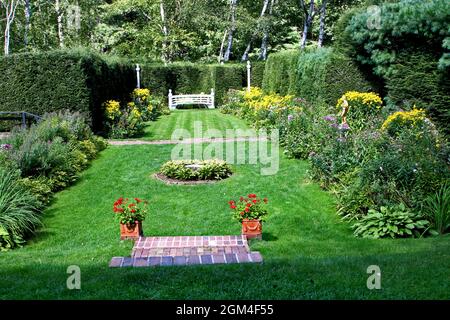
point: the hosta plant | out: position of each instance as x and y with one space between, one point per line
391 222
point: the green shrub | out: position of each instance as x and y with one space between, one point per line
196 169
302 133
185 78
281 72
415 80
405 24
100 143
408 168
18 211
393 222
313 74
76 80
437 210
123 121
40 187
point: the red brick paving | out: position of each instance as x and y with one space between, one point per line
193 250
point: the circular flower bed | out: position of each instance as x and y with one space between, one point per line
194 170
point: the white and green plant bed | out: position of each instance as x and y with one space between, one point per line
194 171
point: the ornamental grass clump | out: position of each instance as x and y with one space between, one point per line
19 211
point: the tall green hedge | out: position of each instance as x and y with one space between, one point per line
76 80
195 78
416 80
281 74
313 74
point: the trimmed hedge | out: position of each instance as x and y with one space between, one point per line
75 80
196 78
281 74
416 80
313 74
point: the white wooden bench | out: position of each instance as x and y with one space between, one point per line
183 99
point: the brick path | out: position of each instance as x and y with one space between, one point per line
194 250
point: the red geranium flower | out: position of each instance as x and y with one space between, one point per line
252 195
254 201
247 209
248 205
233 207
138 200
241 199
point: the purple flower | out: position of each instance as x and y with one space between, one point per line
6 146
334 125
329 118
290 118
344 127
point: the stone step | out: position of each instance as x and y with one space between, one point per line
153 261
190 242
187 251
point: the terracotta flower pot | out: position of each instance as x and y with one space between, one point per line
131 231
252 229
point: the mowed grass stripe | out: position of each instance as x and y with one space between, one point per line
164 127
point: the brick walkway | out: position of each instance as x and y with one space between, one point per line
168 251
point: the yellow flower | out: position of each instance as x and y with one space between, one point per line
112 109
136 113
411 118
355 98
141 94
255 93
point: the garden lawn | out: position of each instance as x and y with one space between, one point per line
309 253
210 119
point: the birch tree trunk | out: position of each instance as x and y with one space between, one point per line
59 16
233 6
165 54
10 13
323 12
27 21
222 46
265 39
309 16
252 38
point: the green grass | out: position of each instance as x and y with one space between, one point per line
210 119
309 253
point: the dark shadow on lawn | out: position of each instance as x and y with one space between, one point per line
267 236
404 276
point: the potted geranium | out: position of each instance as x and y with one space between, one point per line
251 212
130 214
